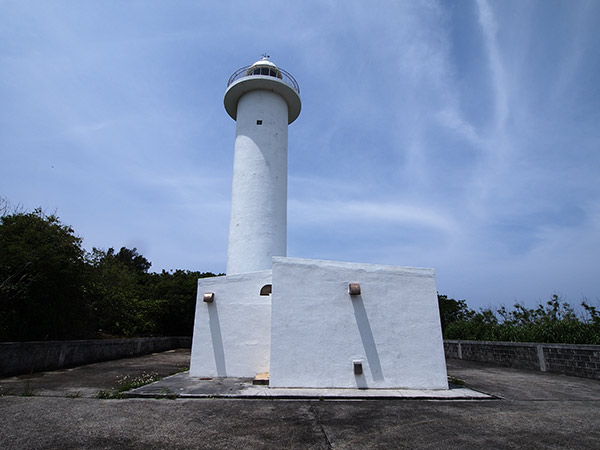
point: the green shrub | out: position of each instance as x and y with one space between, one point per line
553 322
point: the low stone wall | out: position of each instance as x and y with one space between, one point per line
567 359
27 357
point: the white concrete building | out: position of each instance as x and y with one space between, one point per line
309 323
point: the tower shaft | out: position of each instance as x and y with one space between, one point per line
258 221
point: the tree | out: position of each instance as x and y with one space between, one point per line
116 288
42 279
131 259
129 301
175 292
452 310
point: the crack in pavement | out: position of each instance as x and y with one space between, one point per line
318 419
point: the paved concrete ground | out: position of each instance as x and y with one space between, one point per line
88 380
535 411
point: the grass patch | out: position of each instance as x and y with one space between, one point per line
105 394
73 395
127 383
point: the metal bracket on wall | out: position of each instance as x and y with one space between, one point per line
354 289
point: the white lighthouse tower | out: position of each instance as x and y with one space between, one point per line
263 99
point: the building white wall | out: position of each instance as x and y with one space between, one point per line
318 329
258 221
232 334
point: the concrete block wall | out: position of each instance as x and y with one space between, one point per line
26 357
567 359
577 360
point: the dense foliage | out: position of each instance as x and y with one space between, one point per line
555 321
42 279
51 288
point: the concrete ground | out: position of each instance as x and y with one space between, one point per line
533 410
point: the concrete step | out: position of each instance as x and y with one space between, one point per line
261 379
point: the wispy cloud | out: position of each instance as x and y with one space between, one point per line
490 31
336 213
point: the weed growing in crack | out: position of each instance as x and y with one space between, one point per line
455 381
27 391
166 393
180 370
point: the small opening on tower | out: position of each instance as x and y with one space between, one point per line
259 122
267 289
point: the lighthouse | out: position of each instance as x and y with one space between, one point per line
303 323
263 99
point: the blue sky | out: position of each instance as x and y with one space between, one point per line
459 135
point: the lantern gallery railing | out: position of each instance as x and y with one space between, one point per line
270 71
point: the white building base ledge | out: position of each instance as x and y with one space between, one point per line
183 386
